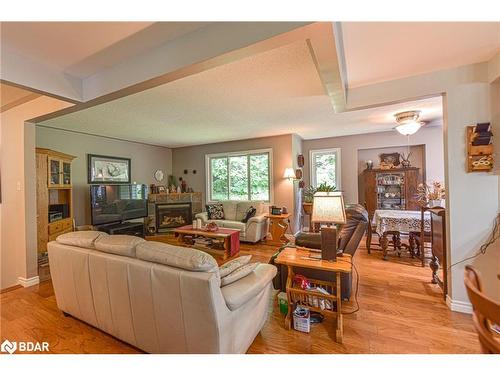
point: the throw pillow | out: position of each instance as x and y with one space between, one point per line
250 213
215 211
238 273
232 265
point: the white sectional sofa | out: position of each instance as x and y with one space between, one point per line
157 297
254 230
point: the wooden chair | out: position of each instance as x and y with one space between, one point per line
418 240
486 312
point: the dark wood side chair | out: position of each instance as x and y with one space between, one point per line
486 312
418 240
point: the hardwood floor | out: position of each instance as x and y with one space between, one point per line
400 312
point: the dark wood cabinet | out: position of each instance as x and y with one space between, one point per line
391 189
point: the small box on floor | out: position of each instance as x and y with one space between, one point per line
302 319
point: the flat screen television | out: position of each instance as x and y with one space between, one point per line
117 203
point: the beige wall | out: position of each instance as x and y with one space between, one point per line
473 198
145 160
431 137
489 263
194 158
18 223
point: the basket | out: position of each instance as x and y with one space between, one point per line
315 300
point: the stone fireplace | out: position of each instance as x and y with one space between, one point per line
172 215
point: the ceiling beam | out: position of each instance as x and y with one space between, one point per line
21 71
202 45
320 36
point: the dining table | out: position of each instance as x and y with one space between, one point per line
396 222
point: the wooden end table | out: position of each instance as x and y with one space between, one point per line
292 257
278 227
229 237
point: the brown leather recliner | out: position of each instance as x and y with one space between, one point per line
350 236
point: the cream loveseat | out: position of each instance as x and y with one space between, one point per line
253 231
157 297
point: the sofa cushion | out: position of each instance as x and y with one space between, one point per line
238 273
84 238
233 225
262 208
230 266
176 256
242 209
119 244
239 293
229 210
215 211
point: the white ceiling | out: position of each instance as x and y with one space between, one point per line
84 48
275 92
381 51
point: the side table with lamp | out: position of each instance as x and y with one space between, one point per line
327 208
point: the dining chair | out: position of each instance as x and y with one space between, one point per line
486 312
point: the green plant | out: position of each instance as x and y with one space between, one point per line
172 181
324 187
311 190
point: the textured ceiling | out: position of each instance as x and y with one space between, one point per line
275 92
381 51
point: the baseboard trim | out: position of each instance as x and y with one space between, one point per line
459 306
35 280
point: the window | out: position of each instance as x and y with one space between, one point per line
325 167
239 176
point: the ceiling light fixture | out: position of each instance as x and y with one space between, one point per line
408 122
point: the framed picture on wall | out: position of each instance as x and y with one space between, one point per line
108 169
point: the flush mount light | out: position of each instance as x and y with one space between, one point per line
408 122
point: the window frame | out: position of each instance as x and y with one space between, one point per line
208 175
338 165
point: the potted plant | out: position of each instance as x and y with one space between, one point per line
309 195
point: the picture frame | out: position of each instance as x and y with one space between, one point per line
108 169
276 210
393 158
161 189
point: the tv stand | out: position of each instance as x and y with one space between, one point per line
126 227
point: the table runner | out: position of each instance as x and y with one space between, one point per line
400 221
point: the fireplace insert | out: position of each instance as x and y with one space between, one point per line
172 215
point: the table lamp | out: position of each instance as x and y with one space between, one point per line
328 207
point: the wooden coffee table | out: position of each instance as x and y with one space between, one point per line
292 257
229 239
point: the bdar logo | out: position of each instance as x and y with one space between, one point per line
9 347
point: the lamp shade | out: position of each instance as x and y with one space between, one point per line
409 128
289 173
328 208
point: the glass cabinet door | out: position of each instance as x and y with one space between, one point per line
54 172
391 191
66 173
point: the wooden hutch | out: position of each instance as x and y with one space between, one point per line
54 196
391 189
